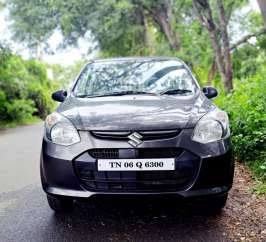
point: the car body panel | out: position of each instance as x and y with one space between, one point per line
214 166
134 112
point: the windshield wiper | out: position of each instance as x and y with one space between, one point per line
175 91
135 93
122 93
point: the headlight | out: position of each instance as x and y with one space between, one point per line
60 130
212 127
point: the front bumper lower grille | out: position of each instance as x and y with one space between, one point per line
187 167
104 153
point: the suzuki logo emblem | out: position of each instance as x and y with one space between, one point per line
135 139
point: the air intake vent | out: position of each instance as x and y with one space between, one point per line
104 153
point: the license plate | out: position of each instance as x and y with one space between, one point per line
166 164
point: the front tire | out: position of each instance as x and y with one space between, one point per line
60 204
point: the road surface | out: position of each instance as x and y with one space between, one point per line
25 215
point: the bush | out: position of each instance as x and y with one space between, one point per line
41 98
20 110
2 105
246 108
25 88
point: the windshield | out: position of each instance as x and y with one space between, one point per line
133 77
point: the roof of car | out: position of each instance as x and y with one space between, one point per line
148 58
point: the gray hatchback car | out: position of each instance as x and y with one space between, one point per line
136 126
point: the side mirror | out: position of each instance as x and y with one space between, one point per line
210 92
59 96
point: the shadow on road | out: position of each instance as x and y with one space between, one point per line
27 217
139 219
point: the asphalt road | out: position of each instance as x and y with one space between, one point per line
25 215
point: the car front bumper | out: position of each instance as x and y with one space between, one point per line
212 163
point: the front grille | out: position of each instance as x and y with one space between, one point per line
135 153
146 135
115 181
186 169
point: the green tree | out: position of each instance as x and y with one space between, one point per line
119 27
138 27
33 22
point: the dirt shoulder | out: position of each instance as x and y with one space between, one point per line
245 212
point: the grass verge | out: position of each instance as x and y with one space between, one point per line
13 124
258 170
260 188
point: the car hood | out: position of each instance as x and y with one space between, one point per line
135 112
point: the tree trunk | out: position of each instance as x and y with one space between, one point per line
39 51
148 38
168 32
140 18
219 58
262 5
212 72
175 41
226 47
162 15
220 45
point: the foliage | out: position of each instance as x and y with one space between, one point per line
24 88
260 188
123 27
67 74
15 123
33 21
246 107
20 109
